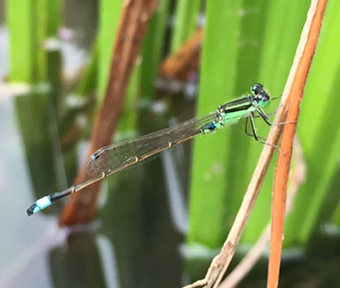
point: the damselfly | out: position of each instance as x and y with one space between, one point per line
111 159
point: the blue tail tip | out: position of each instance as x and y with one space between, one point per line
40 204
29 211
32 209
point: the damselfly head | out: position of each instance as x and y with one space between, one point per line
261 96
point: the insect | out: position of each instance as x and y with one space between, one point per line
111 159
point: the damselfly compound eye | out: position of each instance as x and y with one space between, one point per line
257 89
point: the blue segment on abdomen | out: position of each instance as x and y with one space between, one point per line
208 128
42 203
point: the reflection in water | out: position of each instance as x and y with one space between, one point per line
109 265
3 53
177 205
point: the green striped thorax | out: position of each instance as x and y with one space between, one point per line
233 111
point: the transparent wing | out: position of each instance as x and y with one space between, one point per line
116 157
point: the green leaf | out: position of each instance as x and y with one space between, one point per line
185 22
217 84
153 46
245 43
108 23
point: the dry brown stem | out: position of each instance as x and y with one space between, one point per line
294 89
131 31
186 59
296 178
